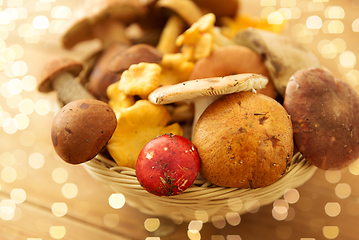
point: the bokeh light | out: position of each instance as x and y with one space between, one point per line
69 190
59 175
332 209
117 200
331 232
57 232
59 209
18 195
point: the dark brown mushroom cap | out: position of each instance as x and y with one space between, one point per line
133 55
81 129
223 8
54 68
325 116
101 77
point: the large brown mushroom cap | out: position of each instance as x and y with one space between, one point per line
81 129
325 118
245 140
54 68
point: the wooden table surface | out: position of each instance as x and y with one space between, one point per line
41 197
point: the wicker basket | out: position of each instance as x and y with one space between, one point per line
202 197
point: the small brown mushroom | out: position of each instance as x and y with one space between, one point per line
325 116
59 75
81 129
133 55
117 58
102 19
223 8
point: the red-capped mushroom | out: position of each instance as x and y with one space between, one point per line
167 165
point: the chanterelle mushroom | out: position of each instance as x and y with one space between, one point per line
325 118
282 55
59 75
203 92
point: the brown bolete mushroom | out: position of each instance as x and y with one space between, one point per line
282 55
202 92
60 75
244 140
102 19
229 60
81 129
223 8
325 116
117 58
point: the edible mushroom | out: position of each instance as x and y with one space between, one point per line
244 140
60 75
229 60
203 92
282 55
81 129
224 8
325 116
102 19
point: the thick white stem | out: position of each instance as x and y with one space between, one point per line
69 89
200 104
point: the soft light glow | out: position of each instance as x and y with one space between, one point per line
333 176
288 3
331 232
275 18
7 209
233 218
201 215
8 174
334 12
59 175
195 225
219 221
69 190
26 106
117 200
40 22
59 209
10 126
15 86
111 220
27 138
355 25
36 160
291 196
354 167
314 22
347 59
57 232
343 190
268 3
19 68
333 27
4 18
15 3
13 13
29 83
332 209
152 224
61 12
22 120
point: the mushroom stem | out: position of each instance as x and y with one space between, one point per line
110 31
200 104
68 89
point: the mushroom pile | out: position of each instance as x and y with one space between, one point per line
197 90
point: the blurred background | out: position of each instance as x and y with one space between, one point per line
41 197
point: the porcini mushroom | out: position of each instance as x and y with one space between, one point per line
59 75
81 129
282 55
102 19
325 116
229 60
244 140
203 92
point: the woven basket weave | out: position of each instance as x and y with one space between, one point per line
202 197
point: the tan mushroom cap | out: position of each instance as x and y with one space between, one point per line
54 68
94 11
215 86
